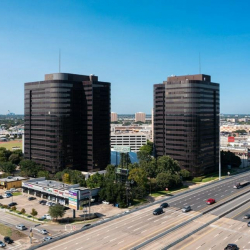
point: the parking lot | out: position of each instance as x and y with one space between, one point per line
103 210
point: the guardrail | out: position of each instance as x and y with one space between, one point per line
190 220
205 225
135 210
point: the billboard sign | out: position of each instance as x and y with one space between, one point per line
122 171
230 139
122 149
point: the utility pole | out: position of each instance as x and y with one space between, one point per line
219 152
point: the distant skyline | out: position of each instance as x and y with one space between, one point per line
132 44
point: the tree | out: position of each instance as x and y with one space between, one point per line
95 180
124 160
14 158
65 178
56 211
164 180
143 156
139 176
185 173
29 168
149 168
4 154
229 158
167 164
33 212
23 211
43 173
7 167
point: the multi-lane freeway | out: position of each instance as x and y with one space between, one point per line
137 227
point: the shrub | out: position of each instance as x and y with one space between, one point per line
23 211
197 179
13 208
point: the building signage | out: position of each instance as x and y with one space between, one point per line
122 149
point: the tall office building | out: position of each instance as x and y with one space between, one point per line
67 122
186 122
140 117
114 117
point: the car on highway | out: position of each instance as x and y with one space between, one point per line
47 238
186 209
8 240
12 204
231 247
164 205
210 201
157 211
247 216
31 198
2 244
43 231
21 227
85 226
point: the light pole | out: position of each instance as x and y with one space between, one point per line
219 152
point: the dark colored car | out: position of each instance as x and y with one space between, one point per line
42 202
210 201
1 197
8 240
164 205
247 216
248 224
12 204
31 198
87 225
231 247
158 210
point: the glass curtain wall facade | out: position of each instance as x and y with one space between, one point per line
186 122
61 128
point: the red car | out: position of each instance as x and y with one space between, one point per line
210 201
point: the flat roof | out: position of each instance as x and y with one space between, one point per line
51 184
13 178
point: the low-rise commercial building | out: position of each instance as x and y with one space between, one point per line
72 196
11 182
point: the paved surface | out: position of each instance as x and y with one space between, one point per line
134 228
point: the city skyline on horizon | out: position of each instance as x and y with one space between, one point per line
127 44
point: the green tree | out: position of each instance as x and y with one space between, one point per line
23 211
56 211
164 180
149 168
4 154
43 173
14 158
66 178
29 168
139 176
167 164
229 158
7 167
95 180
33 212
124 160
185 173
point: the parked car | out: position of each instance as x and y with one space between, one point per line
210 201
231 247
157 211
1 197
42 202
47 238
186 209
44 231
8 240
31 198
46 216
87 225
8 195
247 216
248 224
2 244
164 205
12 204
12 190
105 202
21 227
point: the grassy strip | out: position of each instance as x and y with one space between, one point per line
16 193
169 192
5 231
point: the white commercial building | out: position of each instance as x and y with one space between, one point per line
133 140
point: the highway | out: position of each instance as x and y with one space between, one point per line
134 228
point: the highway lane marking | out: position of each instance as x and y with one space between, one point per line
120 242
198 247
79 248
216 235
239 213
199 206
209 194
222 195
106 237
225 190
225 238
144 231
113 239
197 199
156 220
130 227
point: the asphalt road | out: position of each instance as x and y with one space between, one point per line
134 228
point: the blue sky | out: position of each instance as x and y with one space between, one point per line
132 44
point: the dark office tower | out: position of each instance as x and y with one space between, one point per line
186 122
67 122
